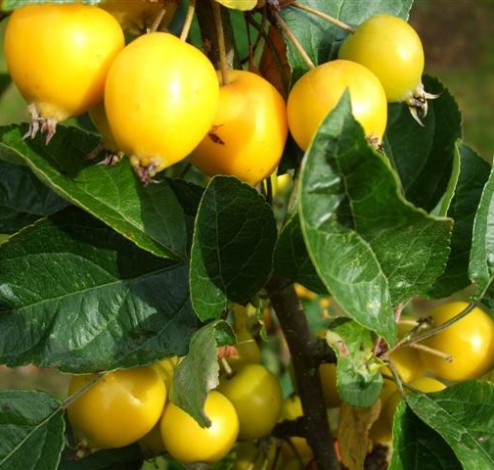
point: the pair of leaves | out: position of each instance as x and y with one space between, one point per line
370 247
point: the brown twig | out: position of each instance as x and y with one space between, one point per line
304 349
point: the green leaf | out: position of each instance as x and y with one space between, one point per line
370 247
291 258
233 244
464 417
23 198
321 39
424 156
197 373
76 295
150 216
417 446
125 458
481 265
474 172
358 379
31 430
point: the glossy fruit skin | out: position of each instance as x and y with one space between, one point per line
470 341
248 351
119 409
317 93
187 442
392 49
256 395
58 55
249 130
161 96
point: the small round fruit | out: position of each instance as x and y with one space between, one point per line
58 55
408 363
119 409
317 93
388 46
470 342
248 351
188 442
166 369
161 96
256 395
249 130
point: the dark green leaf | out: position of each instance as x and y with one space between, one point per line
464 417
481 266
126 458
31 430
197 373
359 380
77 295
23 198
291 259
417 446
424 155
321 39
150 216
474 172
370 247
233 246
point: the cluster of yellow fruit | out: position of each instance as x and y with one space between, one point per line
159 99
459 352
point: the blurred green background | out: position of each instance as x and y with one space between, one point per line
459 45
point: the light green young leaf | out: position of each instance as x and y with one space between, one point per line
358 379
31 430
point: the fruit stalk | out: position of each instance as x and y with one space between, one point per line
305 354
205 18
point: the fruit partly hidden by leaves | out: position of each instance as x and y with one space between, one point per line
390 47
469 341
188 442
58 56
327 375
318 92
161 96
248 133
119 409
256 395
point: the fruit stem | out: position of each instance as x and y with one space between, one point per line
296 43
324 16
218 23
432 331
434 352
157 21
188 20
304 350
